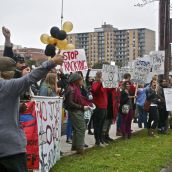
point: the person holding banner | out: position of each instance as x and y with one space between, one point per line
76 104
12 138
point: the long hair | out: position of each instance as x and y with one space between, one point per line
51 80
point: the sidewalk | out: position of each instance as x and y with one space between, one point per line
90 141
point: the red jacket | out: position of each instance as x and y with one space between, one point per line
99 95
116 95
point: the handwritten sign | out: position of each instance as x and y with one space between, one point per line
157 59
168 98
142 67
48 113
110 76
74 60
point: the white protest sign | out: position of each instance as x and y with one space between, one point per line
168 98
157 59
110 76
142 67
48 112
74 60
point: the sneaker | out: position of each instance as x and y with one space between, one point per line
85 146
106 144
90 132
118 133
100 145
69 141
109 139
103 145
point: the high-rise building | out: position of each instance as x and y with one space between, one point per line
108 44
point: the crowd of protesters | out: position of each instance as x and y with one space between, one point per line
145 104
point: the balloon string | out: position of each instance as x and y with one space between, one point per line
62 15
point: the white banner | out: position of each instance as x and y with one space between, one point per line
110 76
48 112
74 60
157 59
168 98
142 67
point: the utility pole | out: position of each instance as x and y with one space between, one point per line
164 33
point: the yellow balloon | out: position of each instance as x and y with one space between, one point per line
44 38
62 44
70 47
67 26
52 40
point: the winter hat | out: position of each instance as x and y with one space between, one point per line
7 64
19 58
74 77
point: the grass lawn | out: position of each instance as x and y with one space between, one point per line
140 154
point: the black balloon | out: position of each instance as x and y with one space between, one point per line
61 35
50 50
54 32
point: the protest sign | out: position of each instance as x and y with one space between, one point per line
110 76
142 67
157 60
42 126
74 60
168 98
48 112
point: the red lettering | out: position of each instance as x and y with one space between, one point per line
70 55
65 56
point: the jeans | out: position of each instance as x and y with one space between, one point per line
14 163
153 117
142 116
119 122
69 128
99 116
90 123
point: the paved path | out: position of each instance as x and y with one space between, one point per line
89 139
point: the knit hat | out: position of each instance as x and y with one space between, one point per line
74 77
19 58
7 64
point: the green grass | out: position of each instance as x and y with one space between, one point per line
140 154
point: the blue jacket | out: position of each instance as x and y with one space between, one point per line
141 96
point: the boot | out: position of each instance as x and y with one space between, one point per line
153 133
73 148
150 132
80 151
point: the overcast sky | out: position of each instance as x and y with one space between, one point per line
28 19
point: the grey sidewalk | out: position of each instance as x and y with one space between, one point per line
89 139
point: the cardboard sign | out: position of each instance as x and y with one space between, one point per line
157 60
110 76
42 126
142 67
48 114
74 60
168 98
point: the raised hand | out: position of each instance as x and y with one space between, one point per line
6 32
